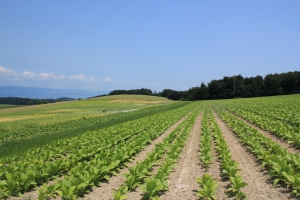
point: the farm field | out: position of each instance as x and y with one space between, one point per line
37 115
157 149
4 106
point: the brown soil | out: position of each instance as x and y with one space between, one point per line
182 182
105 191
259 185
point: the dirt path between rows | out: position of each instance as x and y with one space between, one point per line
104 192
289 147
182 182
259 185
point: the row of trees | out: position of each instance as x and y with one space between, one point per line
238 86
133 91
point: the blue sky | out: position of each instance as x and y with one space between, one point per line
107 45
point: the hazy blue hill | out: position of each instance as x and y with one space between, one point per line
46 93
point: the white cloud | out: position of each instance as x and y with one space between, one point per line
10 74
47 76
107 79
82 77
27 74
5 71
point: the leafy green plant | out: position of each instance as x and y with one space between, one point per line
152 187
120 193
208 187
236 184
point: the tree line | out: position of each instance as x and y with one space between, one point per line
132 91
239 86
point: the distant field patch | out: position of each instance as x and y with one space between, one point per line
4 106
13 118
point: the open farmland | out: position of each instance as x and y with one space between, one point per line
146 147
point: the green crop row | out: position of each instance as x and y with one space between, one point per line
44 164
282 166
289 133
283 108
169 148
157 183
205 141
110 119
230 168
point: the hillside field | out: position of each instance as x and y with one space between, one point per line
39 115
146 147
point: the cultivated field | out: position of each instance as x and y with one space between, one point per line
150 148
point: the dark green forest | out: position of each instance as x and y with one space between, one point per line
133 91
239 87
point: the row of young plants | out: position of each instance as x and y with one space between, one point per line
208 184
229 167
282 130
283 108
205 144
7 135
158 182
166 152
230 170
24 179
25 174
141 169
87 174
282 166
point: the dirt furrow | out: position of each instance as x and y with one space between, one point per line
104 192
182 182
259 185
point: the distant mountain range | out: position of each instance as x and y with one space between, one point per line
47 93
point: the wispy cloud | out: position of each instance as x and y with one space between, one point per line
79 77
107 79
46 76
82 77
10 74
41 76
5 71
27 74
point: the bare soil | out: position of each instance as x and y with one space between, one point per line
182 182
259 185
